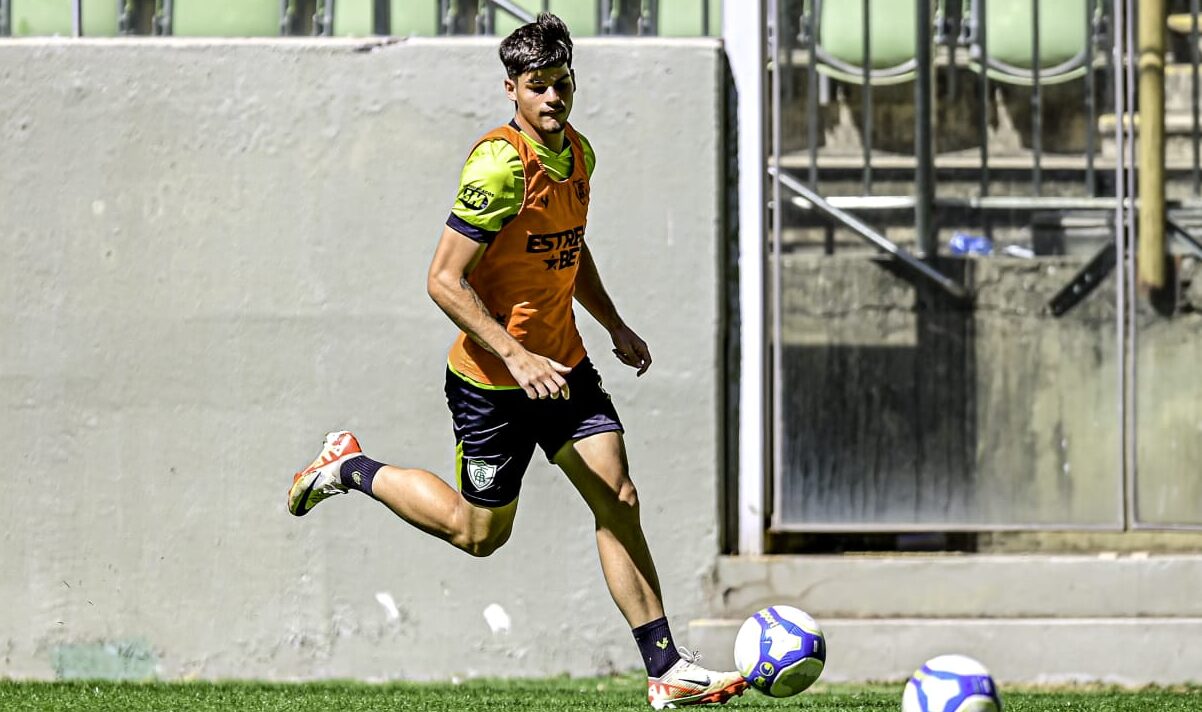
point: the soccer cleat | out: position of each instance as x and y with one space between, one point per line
321 478
687 683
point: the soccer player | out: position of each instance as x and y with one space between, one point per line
510 260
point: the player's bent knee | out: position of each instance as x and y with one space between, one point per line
481 549
483 544
621 508
628 495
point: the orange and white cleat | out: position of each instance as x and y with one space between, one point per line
321 479
686 683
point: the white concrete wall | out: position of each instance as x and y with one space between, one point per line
214 252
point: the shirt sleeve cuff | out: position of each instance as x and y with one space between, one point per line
469 230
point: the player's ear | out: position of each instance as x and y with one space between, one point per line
572 72
511 88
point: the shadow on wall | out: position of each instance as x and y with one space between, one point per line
877 432
904 409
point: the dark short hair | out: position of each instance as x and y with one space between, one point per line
537 45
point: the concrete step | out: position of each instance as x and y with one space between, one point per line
962 161
961 586
1124 651
1178 138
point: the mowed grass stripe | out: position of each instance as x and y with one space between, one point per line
555 695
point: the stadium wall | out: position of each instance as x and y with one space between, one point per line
215 251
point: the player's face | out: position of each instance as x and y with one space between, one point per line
544 97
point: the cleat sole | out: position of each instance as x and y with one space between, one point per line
300 510
717 697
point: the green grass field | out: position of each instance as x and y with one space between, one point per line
555 695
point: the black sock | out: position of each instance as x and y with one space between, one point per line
358 472
655 643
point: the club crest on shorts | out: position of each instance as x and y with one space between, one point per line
481 473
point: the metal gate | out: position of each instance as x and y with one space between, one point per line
957 336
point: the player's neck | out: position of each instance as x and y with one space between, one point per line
553 141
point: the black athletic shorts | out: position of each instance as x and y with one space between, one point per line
496 430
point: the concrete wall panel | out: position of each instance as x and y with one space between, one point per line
214 253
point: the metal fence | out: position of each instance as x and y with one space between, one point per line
986 151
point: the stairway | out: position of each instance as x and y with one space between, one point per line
1131 620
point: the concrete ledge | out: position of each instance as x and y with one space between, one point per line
1036 650
969 586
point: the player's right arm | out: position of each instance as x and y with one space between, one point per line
456 254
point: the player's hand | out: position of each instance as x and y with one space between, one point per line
630 349
539 376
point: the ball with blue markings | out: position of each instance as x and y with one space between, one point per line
780 651
951 683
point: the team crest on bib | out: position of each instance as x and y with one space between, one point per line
581 191
481 473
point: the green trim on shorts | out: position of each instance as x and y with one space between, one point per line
477 384
459 465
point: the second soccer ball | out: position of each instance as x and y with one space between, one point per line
780 651
951 683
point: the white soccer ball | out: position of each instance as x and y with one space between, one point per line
951 683
780 651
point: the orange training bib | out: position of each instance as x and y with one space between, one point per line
527 275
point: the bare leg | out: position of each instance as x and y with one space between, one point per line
597 467
427 502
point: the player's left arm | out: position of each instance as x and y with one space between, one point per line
590 292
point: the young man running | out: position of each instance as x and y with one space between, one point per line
510 261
